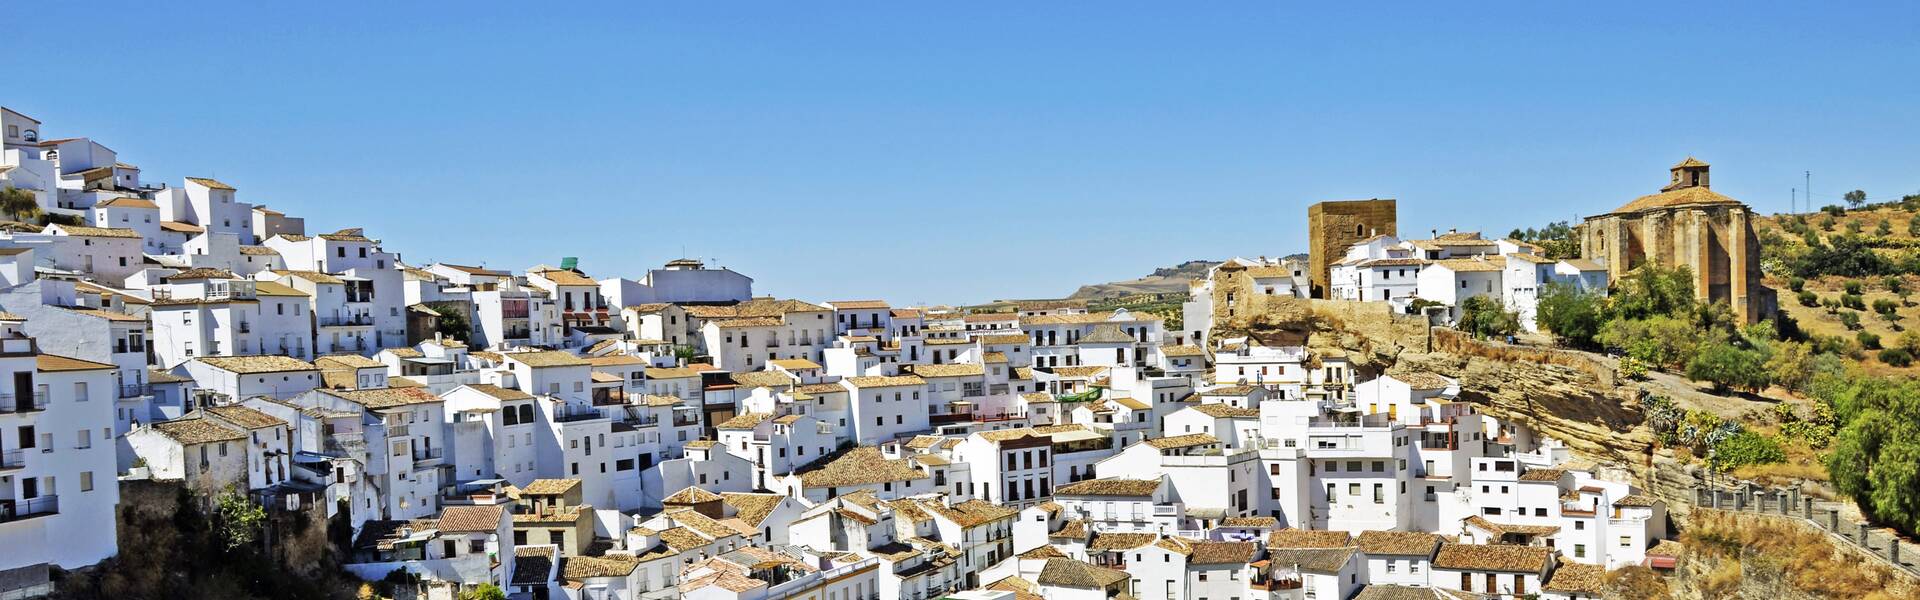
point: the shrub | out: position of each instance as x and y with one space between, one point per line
1885 306
1853 301
1651 290
1633 368
1850 319
1746 448
1797 283
1884 228
1898 357
1868 340
1663 342
1570 314
1853 288
1808 299
1483 317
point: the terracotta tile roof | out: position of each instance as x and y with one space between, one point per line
1219 410
1250 522
1635 500
1001 435
500 392
274 288
1183 441
49 363
922 442
1315 560
1679 197
380 398
766 379
749 322
1021 588
1495 557
1109 542
1078 372
1424 381
1399 543
1214 553
196 430
1002 338
126 202
1182 350
249 365
882 381
211 183
549 487
752 508
109 232
246 417
313 276
658 400
564 277
178 227
691 495
546 358
258 251
745 421
1467 265
1043 552
1306 538
158 376
1576 578
1502 529
973 512
682 539
1072 573
472 519
1109 487
860 466
576 568
200 273
949 370
351 234
671 372
1073 528
347 361
858 304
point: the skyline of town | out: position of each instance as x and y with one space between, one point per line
702 114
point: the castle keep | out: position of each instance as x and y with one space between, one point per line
1334 225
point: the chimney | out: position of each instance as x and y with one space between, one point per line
1434 233
1452 230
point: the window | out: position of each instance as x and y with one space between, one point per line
86 485
1579 550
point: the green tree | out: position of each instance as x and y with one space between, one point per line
484 591
1885 306
1652 290
1913 225
1791 365
18 204
1484 317
1884 228
1853 287
1868 340
1727 366
1808 298
1856 198
1746 448
1664 342
238 518
1850 319
1797 283
1573 315
1898 357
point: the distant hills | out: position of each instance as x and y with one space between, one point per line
1163 280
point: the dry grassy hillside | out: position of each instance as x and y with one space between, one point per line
1891 234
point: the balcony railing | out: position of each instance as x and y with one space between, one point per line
347 321
569 415
14 510
243 327
13 459
428 453
133 390
35 402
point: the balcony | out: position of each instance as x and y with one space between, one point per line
10 403
15 510
572 414
133 390
243 327
13 459
346 321
428 454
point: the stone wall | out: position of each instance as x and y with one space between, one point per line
1334 225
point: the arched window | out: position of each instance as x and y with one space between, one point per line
31 135
1359 230
526 413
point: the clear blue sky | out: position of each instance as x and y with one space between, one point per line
965 151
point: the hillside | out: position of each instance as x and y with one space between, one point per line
1823 254
1164 280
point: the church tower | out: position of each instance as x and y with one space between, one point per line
1689 173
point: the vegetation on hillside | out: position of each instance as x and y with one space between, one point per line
1556 239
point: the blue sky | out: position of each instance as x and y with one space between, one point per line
965 151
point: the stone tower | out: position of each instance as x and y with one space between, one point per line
1686 224
1334 225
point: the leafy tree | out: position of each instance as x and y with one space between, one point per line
1876 454
1664 342
1913 224
1885 306
1853 227
1827 223
1727 366
1856 198
1895 284
1808 298
1853 287
1573 315
485 591
1796 283
1884 228
1790 365
238 518
1483 317
18 204
1853 301
1652 290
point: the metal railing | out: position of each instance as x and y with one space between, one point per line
429 453
351 320
134 390
35 402
13 459
1788 503
14 510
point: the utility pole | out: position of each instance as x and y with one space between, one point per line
1809 191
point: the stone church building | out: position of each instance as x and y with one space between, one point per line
1686 224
